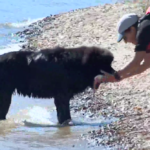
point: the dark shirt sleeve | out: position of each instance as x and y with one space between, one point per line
140 47
143 37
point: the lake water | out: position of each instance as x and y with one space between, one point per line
15 15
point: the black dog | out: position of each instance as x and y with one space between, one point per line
59 73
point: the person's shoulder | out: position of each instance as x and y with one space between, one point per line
143 36
143 29
144 24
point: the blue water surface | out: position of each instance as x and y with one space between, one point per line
15 14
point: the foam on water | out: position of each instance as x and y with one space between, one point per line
20 24
40 115
10 48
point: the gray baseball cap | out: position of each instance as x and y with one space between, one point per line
124 23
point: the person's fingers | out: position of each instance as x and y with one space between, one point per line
97 81
106 74
98 78
96 85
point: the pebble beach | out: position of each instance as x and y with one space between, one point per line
127 100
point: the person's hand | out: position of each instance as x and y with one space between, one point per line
103 78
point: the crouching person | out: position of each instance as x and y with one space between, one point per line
135 30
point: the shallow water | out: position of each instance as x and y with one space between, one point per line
14 135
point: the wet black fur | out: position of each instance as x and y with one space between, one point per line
59 73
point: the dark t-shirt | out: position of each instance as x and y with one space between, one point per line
143 35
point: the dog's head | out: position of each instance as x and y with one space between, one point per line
100 59
97 58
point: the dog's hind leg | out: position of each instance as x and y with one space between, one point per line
63 109
5 101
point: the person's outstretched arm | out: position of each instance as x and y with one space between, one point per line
133 68
136 67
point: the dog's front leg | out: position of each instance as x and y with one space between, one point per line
63 109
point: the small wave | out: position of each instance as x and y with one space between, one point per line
10 47
20 24
39 113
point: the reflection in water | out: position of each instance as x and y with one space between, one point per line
6 127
